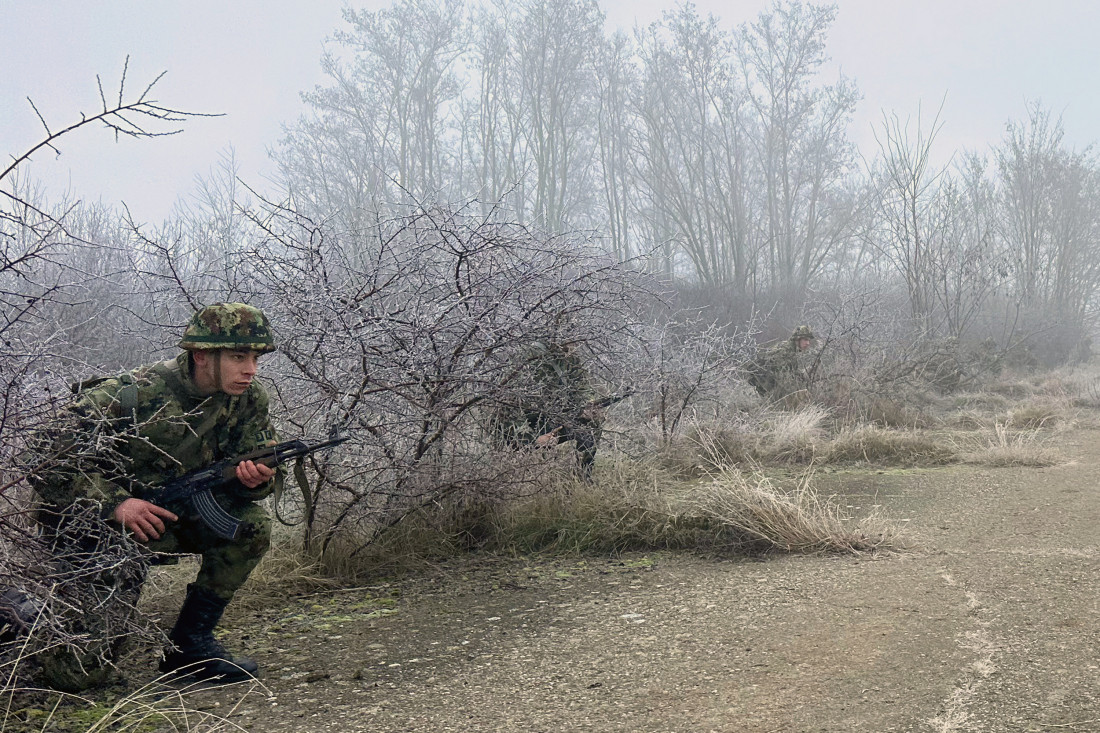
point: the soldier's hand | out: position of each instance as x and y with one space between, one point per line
548 439
143 518
252 474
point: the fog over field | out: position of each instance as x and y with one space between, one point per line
567 277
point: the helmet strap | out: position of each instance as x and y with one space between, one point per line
217 362
211 364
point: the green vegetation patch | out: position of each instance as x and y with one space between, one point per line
331 612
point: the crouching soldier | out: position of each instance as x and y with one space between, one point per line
781 370
127 433
558 406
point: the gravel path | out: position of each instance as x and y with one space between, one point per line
991 625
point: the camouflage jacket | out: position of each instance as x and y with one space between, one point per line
124 434
556 389
780 369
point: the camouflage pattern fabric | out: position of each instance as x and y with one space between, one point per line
779 370
560 391
229 326
138 429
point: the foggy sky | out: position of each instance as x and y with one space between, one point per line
249 59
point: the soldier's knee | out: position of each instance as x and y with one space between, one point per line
256 539
260 541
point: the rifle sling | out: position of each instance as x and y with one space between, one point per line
169 371
303 485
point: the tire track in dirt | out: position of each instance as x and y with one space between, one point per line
980 642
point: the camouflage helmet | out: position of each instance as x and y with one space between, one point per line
228 326
802 332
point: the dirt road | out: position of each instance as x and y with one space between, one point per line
993 625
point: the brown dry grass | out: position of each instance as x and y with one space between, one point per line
881 446
750 506
1005 446
156 706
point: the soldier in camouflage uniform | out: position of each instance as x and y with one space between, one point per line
163 420
558 408
779 370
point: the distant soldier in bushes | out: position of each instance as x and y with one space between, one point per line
558 405
140 428
782 369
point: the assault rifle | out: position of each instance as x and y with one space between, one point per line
599 403
199 486
610 400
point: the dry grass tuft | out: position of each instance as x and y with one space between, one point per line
871 444
748 507
793 437
732 511
801 438
639 505
967 420
629 507
1053 386
1034 417
156 706
894 413
1088 395
981 401
1004 446
705 446
769 436
1017 390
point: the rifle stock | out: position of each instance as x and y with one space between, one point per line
199 486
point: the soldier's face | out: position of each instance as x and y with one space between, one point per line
226 370
803 344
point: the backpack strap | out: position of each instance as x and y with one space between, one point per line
169 371
127 396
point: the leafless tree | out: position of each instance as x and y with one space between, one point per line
799 141
1049 215
692 146
616 75
911 231
377 134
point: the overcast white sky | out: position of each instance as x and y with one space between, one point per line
250 59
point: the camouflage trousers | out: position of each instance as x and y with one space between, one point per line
106 581
581 431
226 564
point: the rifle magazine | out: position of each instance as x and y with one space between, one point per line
223 523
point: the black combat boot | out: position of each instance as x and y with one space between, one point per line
197 652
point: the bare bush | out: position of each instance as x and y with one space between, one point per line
54 260
689 368
411 336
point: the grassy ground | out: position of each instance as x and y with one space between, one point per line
742 484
